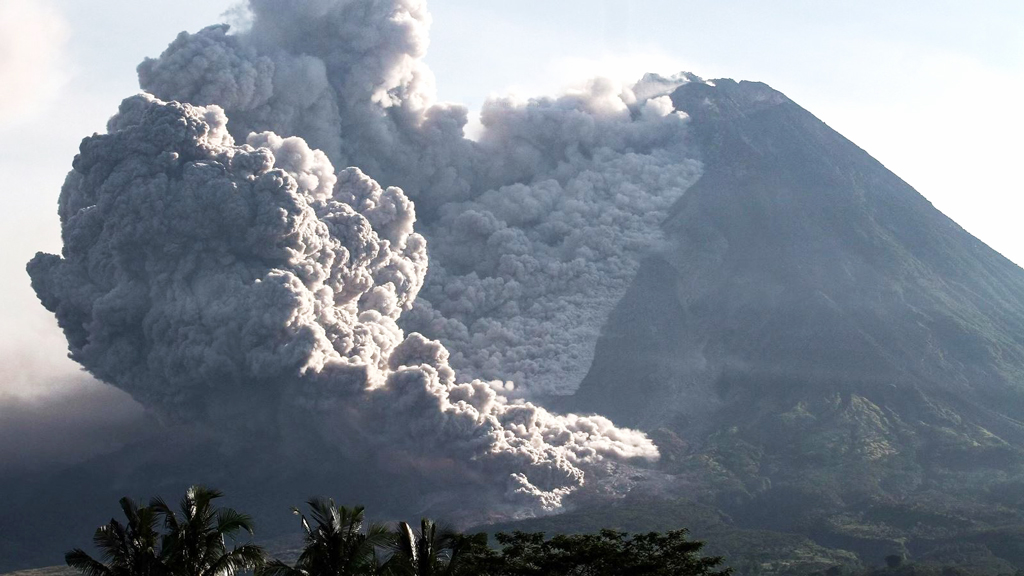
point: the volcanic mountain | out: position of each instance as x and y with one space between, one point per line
819 350
833 370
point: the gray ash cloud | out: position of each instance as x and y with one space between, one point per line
535 230
251 288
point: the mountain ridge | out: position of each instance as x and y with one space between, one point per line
749 203
818 342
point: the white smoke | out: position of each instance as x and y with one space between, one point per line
251 285
535 230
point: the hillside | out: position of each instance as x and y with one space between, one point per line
819 350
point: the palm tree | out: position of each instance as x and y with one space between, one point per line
196 543
129 550
338 545
433 551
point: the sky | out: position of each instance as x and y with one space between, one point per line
931 89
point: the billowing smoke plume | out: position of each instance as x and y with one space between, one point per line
225 283
345 75
535 230
525 274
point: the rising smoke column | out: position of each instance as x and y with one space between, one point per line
536 230
226 284
345 75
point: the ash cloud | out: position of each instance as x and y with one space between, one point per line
231 274
535 230
251 287
526 273
48 432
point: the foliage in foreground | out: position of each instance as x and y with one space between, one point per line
339 542
192 544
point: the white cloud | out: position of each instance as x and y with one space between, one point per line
575 72
626 68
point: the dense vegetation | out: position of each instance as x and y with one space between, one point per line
155 540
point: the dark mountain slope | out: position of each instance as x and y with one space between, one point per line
800 260
820 351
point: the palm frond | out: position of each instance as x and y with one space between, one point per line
405 543
87 565
110 539
160 508
277 568
378 535
248 557
321 510
230 521
130 508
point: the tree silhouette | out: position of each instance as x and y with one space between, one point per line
336 544
128 550
195 544
608 553
437 551
339 542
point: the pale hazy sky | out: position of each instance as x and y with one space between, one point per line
930 88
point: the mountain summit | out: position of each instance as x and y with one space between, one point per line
819 348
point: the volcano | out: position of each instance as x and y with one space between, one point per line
831 368
819 350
